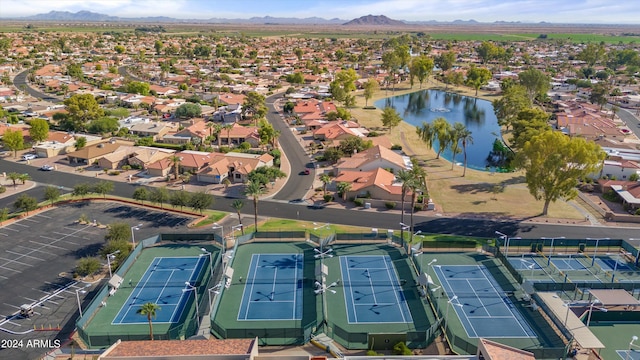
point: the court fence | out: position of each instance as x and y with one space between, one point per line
271 336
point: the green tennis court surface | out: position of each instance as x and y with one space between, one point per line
273 290
163 283
372 290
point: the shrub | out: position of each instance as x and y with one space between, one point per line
418 207
136 166
396 147
328 198
114 172
358 202
611 196
88 266
401 349
126 167
390 204
372 353
637 212
634 177
2 189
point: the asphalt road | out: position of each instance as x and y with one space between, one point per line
380 219
20 81
632 122
297 185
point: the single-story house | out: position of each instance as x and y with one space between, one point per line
232 165
378 184
373 158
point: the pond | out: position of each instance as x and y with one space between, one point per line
476 114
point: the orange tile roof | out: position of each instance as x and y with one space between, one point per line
232 99
497 351
164 348
363 179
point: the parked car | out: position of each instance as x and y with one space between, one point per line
29 157
305 172
46 167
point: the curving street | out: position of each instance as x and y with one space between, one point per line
20 81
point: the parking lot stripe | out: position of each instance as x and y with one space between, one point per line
55 240
10 229
44 216
3 234
18 224
34 250
31 220
48 245
10 269
4 277
25 255
9 261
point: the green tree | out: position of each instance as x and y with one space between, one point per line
295 78
343 188
137 87
390 118
370 88
75 71
454 141
141 194
119 49
599 94
514 100
81 190
390 63
530 122
81 142
25 203
535 81
51 193
39 130
118 231
179 198
188 110
4 214
149 310
254 190
81 108
354 144
88 266
333 154
446 60
592 54
426 133
441 131
254 104
237 205
326 180
420 68
347 79
267 133
14 177
103 125
477 77
466 139
265 174
418 184
13 140
103 188
175 163
487 51
555 162
158 46
200 200
121 247
24 177
159 196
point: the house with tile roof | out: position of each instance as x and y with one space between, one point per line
210 349
628 191
238 134
57 143
234 166
144 156
90 154
377 184
197 129
373 158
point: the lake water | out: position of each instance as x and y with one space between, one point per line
476 114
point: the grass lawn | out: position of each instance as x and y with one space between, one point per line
495 194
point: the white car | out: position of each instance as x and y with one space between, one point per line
29 156
47 167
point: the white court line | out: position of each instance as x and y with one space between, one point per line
295 287
253 281
353 305
395 289
48 245
25 255
75 236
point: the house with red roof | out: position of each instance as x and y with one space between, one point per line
377 183
373 158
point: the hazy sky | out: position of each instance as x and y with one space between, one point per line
558 11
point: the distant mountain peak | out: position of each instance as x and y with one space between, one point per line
377 20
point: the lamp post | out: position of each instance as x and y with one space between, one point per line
615 268
218 226
633 339
205 252
233 231
216 290
506 240
78 292
195 293
596 301
109 258
403 227
133 238
451 301
551 247
595 250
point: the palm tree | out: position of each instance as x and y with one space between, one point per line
24 177
149 309
211 126
13 176
426 133
466 138
218 129
254 190
175 160
454 140
343 188
326 180
404 176
228 127
237 205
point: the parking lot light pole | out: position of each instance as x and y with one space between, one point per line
595 250
403 227
109 258
78 292
633 339
233 232
133 238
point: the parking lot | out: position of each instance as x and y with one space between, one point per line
37 258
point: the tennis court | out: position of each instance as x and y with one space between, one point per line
273 290
163 283
372 291
629 354
486 310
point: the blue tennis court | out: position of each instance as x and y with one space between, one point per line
522 263
372 291
273 290
608 264
162 283
567 263
629 354
486 310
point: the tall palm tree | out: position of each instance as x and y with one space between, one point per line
454 140
237 205
466 138
417 184
175 160
228 127
254 190
404 176
326 180
218 129
149 309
